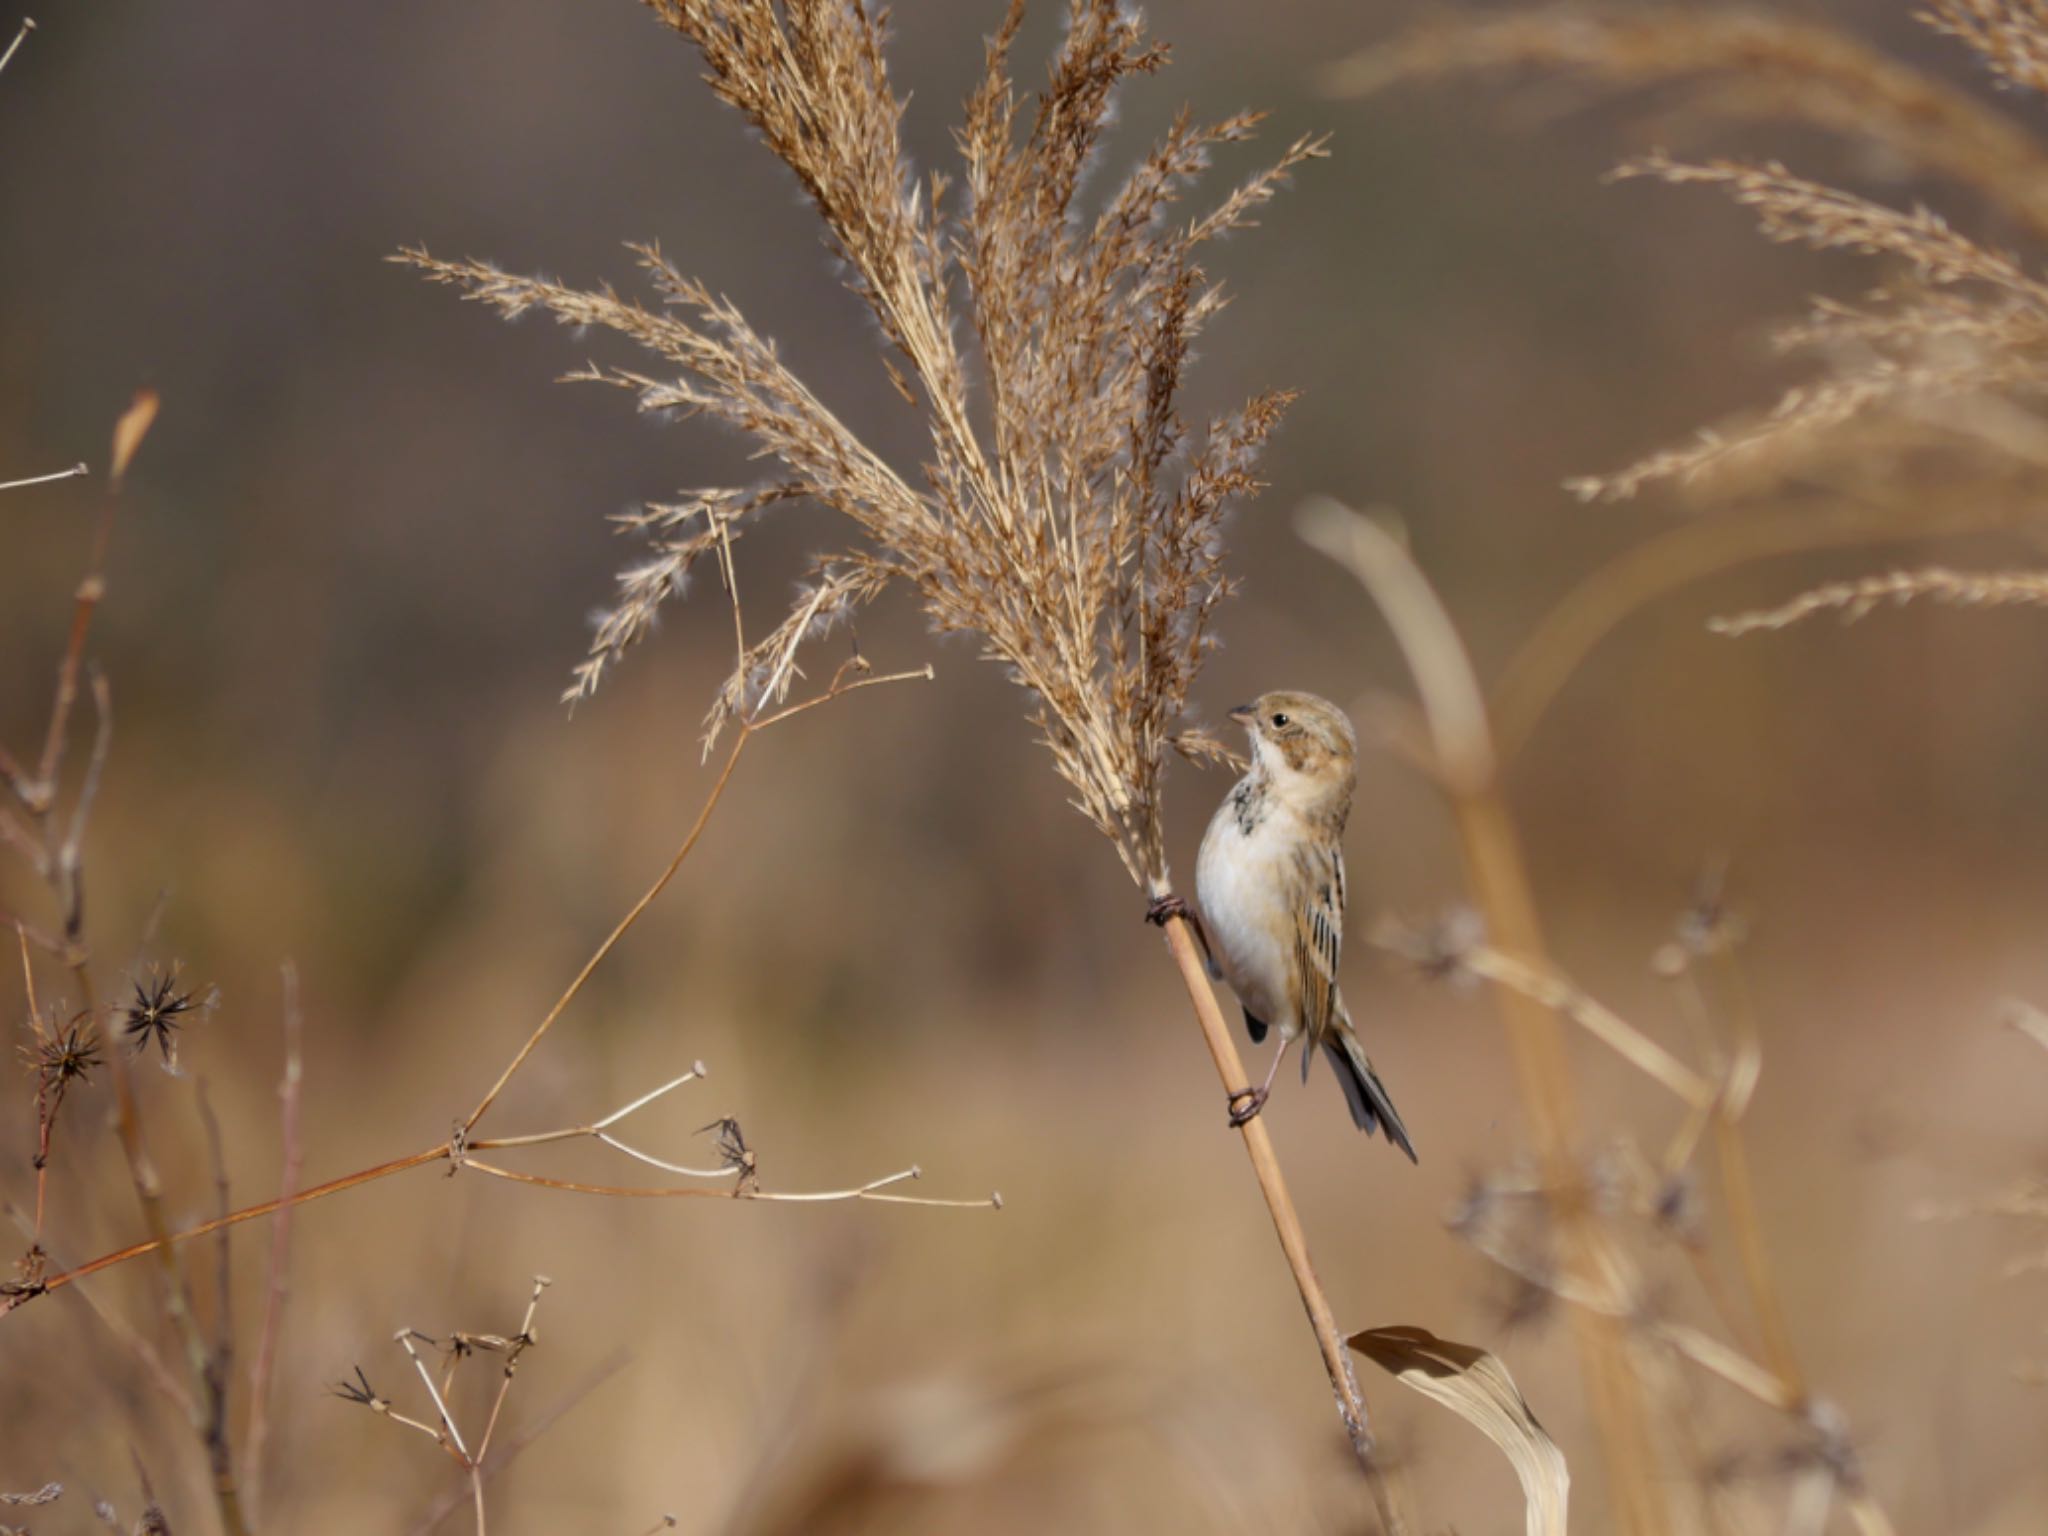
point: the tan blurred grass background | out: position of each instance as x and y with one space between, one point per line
351 581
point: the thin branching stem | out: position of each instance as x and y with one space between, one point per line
624 926
874 1190
290 1093
1593 1016
62 474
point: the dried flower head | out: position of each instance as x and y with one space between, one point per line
157 1012
734 1152
358 1391
1065 513
66 1055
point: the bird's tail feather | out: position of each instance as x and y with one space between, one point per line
1371 1109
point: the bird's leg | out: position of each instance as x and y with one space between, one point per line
1162 910
1249 1101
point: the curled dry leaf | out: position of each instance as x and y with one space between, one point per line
1477 1387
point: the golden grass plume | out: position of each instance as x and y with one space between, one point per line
1065 513
1928 382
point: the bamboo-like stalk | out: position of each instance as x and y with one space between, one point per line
1258 1146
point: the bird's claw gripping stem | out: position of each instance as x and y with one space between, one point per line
1245 1105
1162 910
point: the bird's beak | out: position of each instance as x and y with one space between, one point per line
1244 714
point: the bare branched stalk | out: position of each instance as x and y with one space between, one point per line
509 1450
459 1152
477 1465
61 474
457 1149
55 849
28 25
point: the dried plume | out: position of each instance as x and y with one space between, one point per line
1857 598
1065 514
1928 387
1956 322
1696 67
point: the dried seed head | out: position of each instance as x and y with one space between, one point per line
157 1012
1066 512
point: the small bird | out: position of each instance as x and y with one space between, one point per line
1270 882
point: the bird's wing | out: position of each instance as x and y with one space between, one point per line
1319 938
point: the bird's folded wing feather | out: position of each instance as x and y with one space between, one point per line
1319 937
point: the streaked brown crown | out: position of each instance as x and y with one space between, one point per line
1312 735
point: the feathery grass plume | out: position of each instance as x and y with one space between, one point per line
2011 36
1961 323
1702 65
1065 513
1857 598
1967 322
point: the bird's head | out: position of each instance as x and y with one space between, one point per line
1305 745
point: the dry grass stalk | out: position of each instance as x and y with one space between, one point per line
1330 1337
1467 769
1593 1273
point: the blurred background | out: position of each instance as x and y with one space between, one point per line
354 570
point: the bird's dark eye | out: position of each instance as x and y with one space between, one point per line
1279 720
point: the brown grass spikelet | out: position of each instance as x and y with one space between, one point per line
2010 36
1966 321
1947 355
1794 210
1065 513
1857 598
1707 65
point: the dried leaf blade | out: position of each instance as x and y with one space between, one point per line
1477 1387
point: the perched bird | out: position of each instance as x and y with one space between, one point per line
1270 884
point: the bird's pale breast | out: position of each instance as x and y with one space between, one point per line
1241 880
